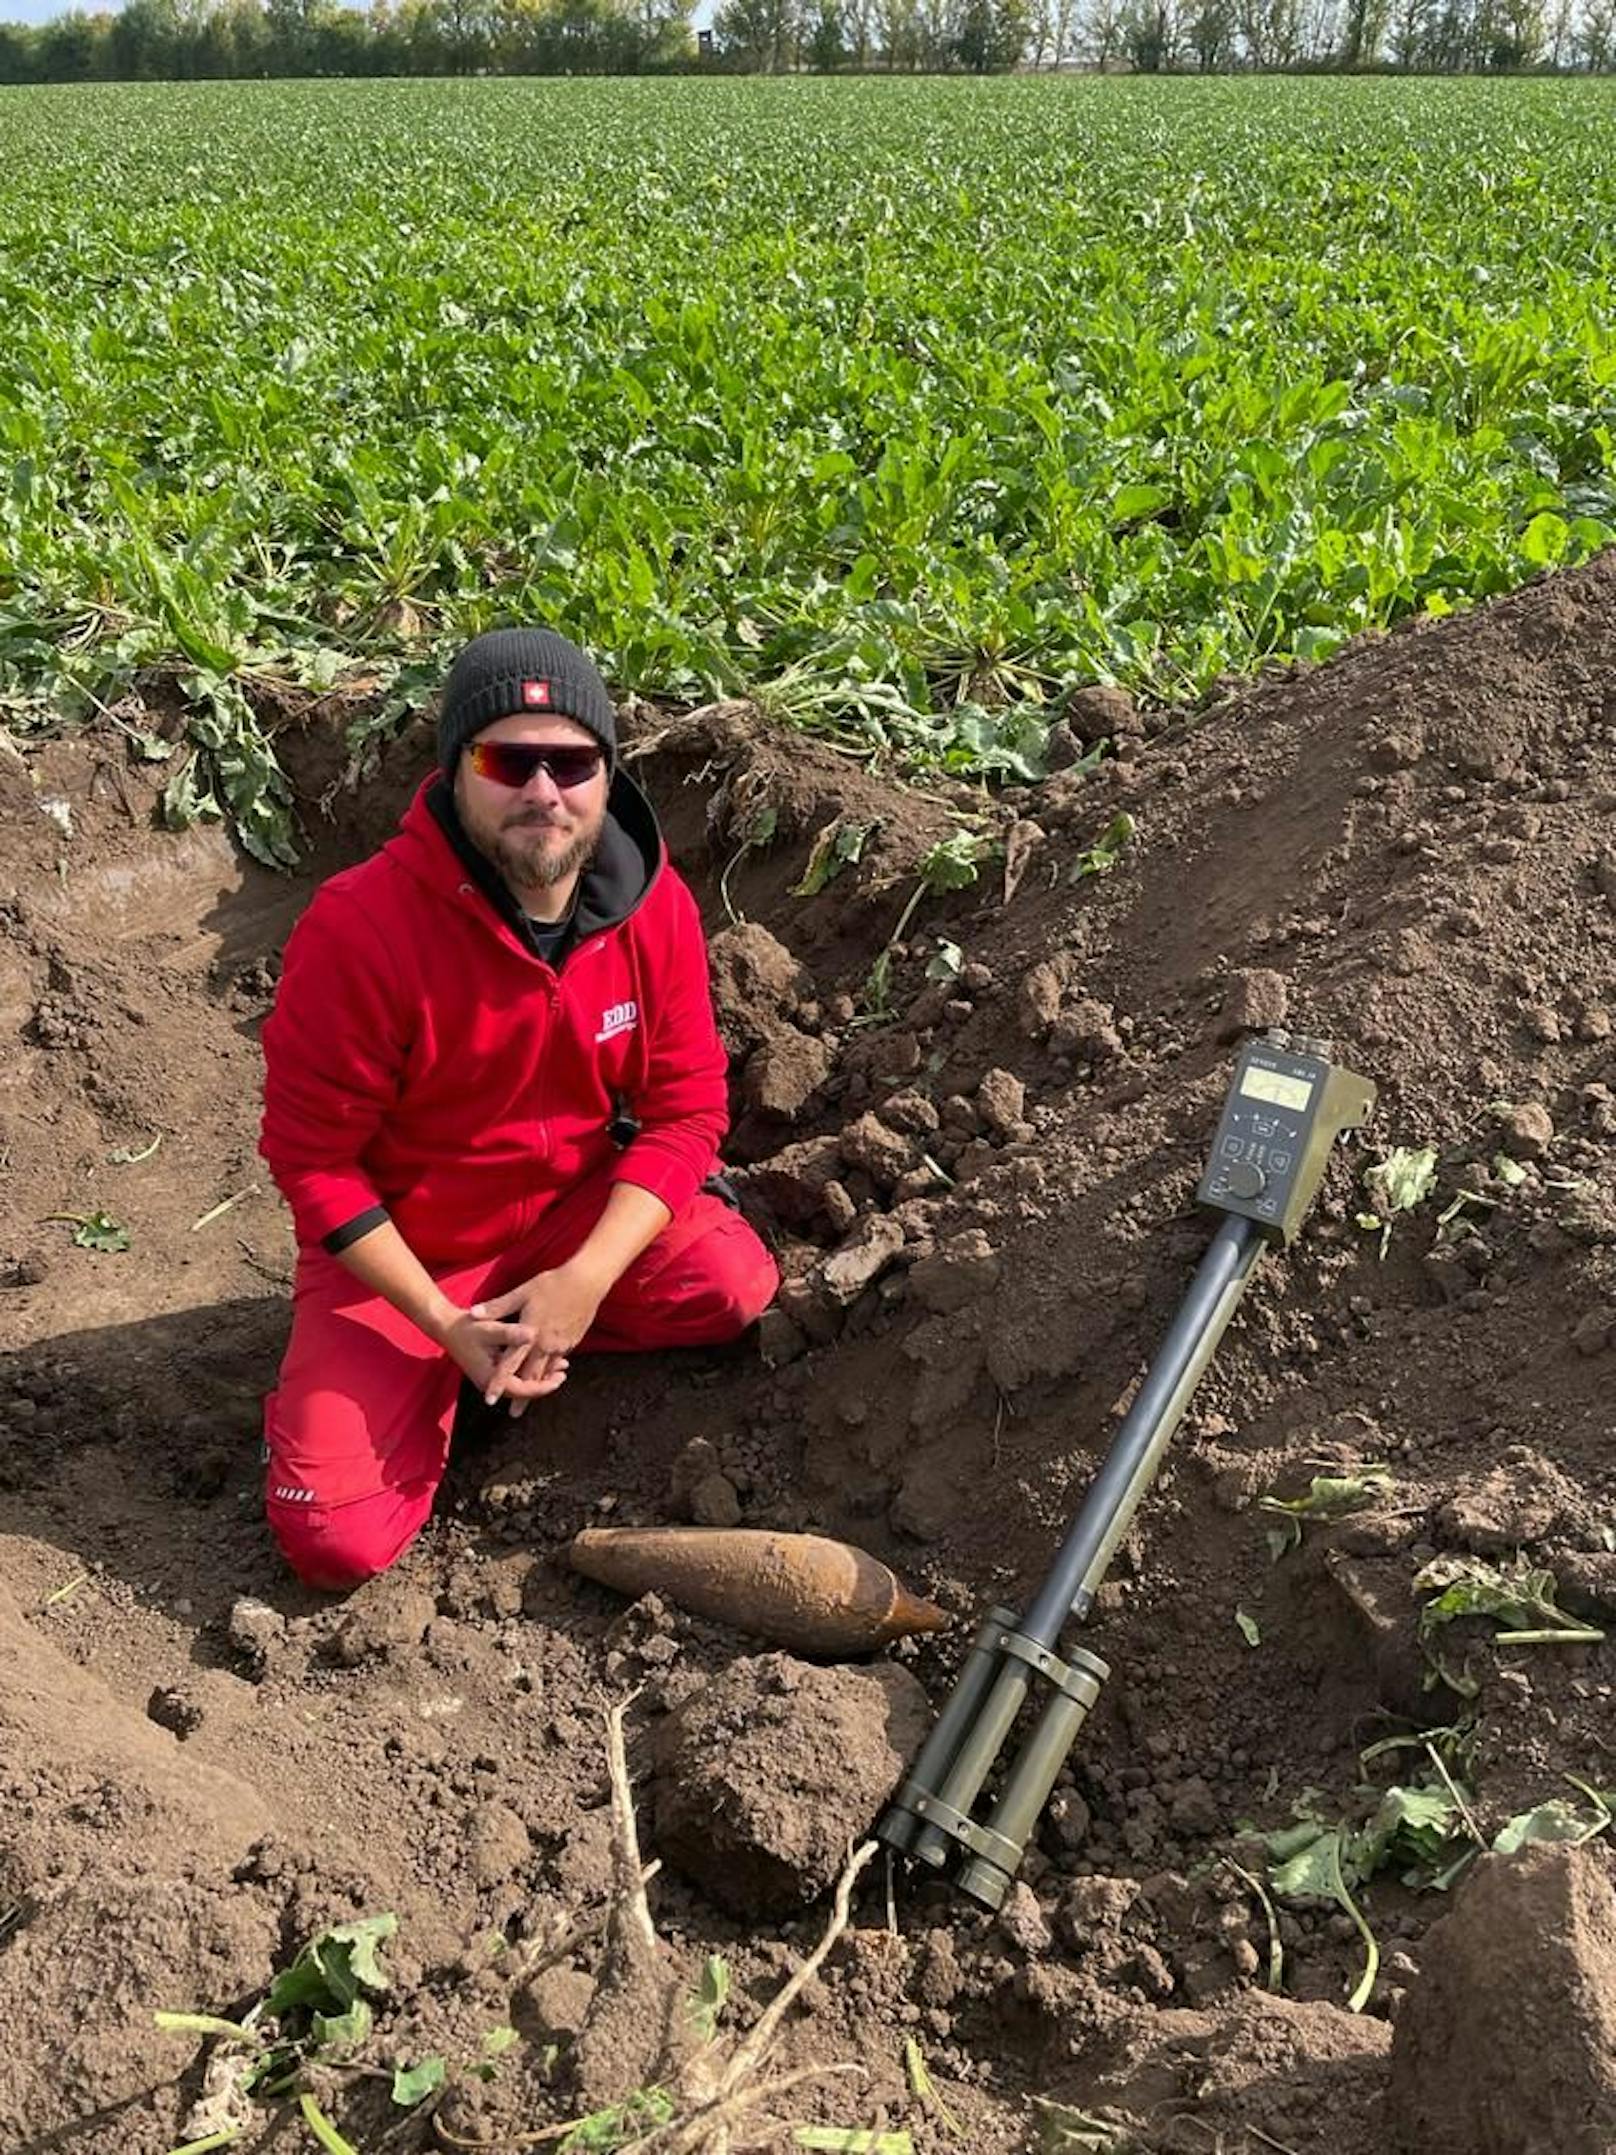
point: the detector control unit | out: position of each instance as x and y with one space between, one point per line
1286 1108
1288 1103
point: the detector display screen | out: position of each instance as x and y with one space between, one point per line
1276 1088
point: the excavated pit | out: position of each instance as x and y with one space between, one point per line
981 1193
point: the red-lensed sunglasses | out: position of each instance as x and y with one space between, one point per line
512 763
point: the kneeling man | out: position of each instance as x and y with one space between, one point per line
494 1093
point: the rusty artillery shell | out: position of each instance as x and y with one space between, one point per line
804 1592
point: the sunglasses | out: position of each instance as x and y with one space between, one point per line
512 763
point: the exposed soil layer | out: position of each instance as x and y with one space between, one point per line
978 1172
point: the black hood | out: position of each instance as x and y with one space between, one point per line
616 883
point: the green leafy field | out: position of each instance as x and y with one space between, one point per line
914 399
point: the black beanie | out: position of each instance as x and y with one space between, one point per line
516 673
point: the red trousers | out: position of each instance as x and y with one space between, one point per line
357 1430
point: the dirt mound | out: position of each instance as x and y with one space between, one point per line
971 1122
774 1769
1506 2044
115 1886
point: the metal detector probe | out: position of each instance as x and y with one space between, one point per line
1285 1110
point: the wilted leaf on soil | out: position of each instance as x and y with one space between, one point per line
93 1230
1397 1184
131 1156
946 962
953 862
708 1999
1308 1862
1451 1224
1520 1599
1101 857
1065 2131
1555 1820
1328 1496
1248 1628
414 2083
840 845
756 833
604 2131
1420 1828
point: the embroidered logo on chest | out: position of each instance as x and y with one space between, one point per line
619 1018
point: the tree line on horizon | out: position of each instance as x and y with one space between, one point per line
165 40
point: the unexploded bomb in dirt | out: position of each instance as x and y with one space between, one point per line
801 1591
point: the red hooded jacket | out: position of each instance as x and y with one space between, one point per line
423 1058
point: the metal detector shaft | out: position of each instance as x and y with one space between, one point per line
1136 1451
931 1814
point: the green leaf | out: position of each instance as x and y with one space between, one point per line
946 962
1248 1628
187 800
1400 1181
953 862
1555 1820
413 2084
1138 500
1331 1496
1315 1872
708 2000
877 996
329 1974
1065 2131
1520 1598
1101 857
838 846
341 2033
604 2131
100 1231
361 1943
1417 1826
1543 542
93 1230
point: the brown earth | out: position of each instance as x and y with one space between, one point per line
983 1205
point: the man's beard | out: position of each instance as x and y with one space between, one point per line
526 864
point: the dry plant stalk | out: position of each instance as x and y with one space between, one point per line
715 2094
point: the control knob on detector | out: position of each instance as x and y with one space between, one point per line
1244 1179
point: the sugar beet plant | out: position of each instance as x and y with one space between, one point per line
915 400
